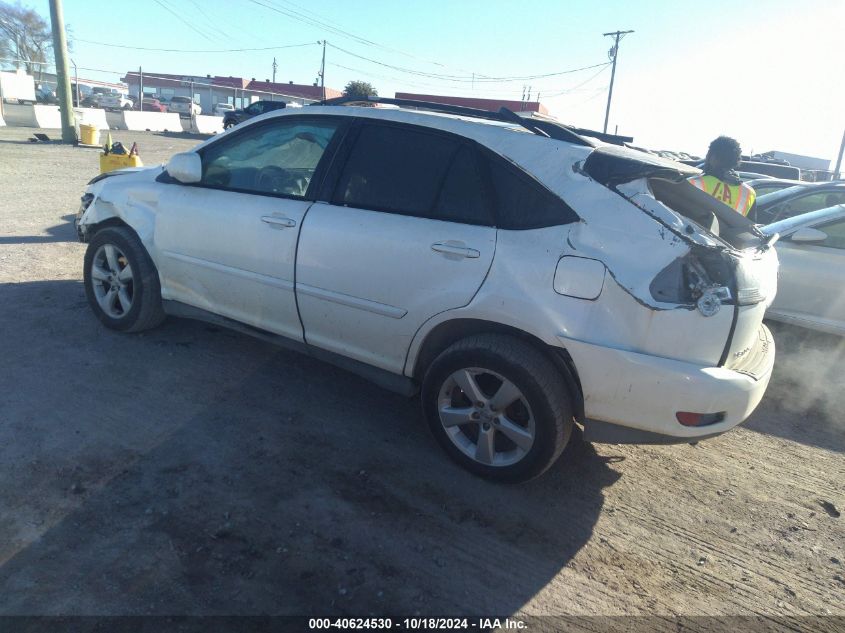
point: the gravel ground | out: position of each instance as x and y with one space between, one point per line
192 470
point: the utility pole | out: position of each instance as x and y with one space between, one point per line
836 172
615 50
57 21
323 72
275 65
140 89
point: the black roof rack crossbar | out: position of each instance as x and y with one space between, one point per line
558 132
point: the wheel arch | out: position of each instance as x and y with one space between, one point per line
113 221
448 332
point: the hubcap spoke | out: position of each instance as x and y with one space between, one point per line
515 433
111 301
111 258
125 301
466 381
485 449
454 416
125 274
505 396
99 273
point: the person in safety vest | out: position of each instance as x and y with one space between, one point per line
719 178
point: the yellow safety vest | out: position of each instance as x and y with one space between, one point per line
739 197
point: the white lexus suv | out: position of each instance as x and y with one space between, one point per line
520 276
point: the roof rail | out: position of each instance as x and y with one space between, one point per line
541 128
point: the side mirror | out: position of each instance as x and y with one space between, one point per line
807 235
185 167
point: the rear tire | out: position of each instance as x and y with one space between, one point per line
121 281
498 407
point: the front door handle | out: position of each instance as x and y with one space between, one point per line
276 221
454 249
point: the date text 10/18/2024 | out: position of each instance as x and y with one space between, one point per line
418 624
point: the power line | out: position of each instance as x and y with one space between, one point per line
583 83
184 50
182 19
465 79
324 23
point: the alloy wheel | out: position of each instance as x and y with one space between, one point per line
112 281
486 416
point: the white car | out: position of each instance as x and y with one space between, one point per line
522 277
115 101
221 109
811 285
184 106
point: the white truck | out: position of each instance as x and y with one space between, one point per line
17 87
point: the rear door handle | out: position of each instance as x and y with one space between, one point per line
276 221
453 249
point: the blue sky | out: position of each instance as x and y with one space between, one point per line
768 73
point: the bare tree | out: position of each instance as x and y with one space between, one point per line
24 36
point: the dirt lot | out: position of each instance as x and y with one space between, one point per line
191 470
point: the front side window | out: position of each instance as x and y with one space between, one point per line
277 158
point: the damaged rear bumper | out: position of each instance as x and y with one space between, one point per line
635 398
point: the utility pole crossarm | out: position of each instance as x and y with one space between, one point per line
618 35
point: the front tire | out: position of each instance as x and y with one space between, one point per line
121 281
498 407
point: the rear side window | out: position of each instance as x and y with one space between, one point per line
464 197
524 203
395 169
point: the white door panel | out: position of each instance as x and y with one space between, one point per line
811 284
232 254
367 280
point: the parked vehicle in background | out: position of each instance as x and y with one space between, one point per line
99 92
45 94
151 105
253 109
80 95
439 250
116 101
763 186
220 109
183 106
745 176
798 199
811 282
17 87
773 170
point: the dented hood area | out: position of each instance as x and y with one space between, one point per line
612 165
